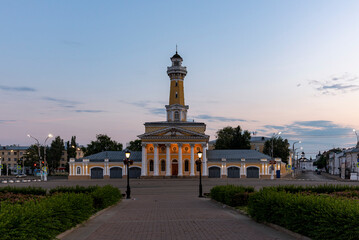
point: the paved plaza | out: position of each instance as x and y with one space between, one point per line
170 209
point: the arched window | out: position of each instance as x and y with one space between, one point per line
78 170
177 118
163 165
186 166
151 165
176 95
176 83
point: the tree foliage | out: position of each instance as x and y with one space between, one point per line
32 156
135 145
71 147
55 153
233 138
102 143
280 148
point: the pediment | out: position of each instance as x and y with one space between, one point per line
172 132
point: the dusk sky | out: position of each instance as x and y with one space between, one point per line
81 68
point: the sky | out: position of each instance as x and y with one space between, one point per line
81 68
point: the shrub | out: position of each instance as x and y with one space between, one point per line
24 190
318 217
44 219
76 189
231 195
105 196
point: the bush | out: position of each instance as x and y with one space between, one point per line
105 196
318 217
24 190
76 189
44 219
231 195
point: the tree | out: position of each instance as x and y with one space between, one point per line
233 138
55 153
32 156
102 143
280 148
135 145
71 148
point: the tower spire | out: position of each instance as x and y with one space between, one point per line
176 49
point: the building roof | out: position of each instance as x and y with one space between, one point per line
14 147
112 156
176 56
236 154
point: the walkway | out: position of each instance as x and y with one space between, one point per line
168 209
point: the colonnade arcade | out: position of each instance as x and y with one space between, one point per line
172 159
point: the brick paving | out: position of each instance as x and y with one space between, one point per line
170 209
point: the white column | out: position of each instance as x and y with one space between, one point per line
244 170
124 170
180 164
205 169
144 160
83 168
192 160
70 169
155 160
168 160
262 168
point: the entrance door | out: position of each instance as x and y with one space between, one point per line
233 172
96 173
252 172
116 172
214 172
174 168
135 172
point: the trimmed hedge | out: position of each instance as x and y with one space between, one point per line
44 219
49 216
231 195
76 189
24 190
318 217
327 188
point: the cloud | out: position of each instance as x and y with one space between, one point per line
157 111
7 121
17 89
335 85
218 118
149 106
311 129
89 111
65 103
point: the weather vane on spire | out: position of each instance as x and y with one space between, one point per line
176 48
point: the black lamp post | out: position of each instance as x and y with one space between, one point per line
199 164
128 162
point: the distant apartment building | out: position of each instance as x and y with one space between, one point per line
13 156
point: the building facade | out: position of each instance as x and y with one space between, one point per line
170 148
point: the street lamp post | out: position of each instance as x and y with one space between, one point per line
293 158
127 163
357 138
43 176
199 164
273 137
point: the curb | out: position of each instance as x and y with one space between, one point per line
272 225
67 232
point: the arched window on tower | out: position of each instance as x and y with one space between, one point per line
151 165
177 117
176 95
186 166
163 165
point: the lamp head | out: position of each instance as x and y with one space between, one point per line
50 135
199 154
127 154
300 142
28 135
